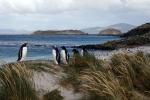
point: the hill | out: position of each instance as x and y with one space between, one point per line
60 32
110 31
136 37
123 27
145 28
92 30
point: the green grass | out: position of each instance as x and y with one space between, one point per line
16 83
124 77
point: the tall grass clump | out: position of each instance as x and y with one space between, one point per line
16 83
123 77
76 65
104 85
134 70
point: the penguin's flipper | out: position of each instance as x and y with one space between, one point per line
19 54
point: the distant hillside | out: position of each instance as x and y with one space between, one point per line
92 30
60 32
13 32
140 30
138 36
110 31
123 27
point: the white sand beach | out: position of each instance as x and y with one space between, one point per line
108 54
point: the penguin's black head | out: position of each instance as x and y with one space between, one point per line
75 51
25 44
84 49
63 47
53 47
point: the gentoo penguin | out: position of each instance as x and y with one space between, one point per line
64 55
75 52
22 52
76 55
84 52
56 55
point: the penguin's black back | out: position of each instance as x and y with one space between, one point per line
57 55
66 52
20 51
85 51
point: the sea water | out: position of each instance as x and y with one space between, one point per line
39 46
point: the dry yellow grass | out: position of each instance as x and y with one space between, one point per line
16 83
124 77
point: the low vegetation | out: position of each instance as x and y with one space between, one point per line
40 66
16 83
125 77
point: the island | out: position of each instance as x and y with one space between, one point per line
110 31
59 32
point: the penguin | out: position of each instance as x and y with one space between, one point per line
75 52
56 55
76 55
22 52
64 55
83 52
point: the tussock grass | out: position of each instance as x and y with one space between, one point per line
124 77
102 84
16 83
77 65
40 66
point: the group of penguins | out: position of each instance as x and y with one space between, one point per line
59 56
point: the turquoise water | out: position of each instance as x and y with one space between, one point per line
39 46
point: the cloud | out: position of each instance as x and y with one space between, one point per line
61 14
33 6
58 6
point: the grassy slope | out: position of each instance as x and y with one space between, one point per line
16 81
123 78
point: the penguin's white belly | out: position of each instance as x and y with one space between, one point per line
81 53
63 56
54 56
24 53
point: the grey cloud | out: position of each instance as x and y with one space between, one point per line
57 6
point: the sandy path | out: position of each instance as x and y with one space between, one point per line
46 82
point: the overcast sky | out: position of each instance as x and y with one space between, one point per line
71 14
